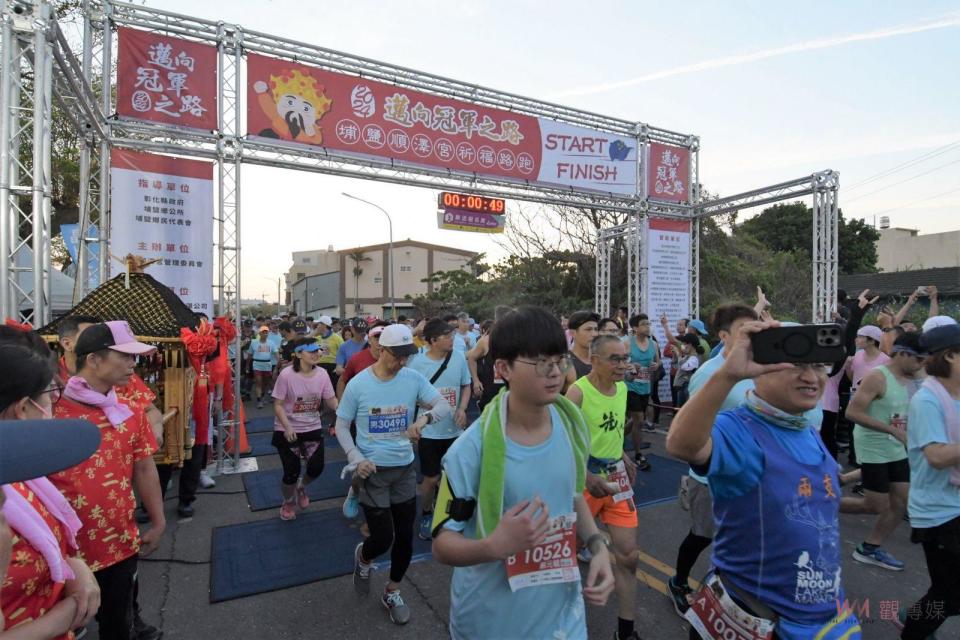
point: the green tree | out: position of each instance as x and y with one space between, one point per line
788 227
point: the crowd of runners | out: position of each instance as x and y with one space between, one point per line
528 431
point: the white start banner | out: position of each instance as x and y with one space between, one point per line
162 209
668 280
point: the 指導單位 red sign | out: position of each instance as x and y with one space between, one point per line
167 80
668 173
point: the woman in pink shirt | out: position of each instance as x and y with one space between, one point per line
298 432
868 356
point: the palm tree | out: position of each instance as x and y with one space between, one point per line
358 257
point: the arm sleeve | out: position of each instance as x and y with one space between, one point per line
347 409
342 428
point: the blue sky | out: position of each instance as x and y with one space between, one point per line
775 90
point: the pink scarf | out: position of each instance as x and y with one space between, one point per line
78 389
31 526
951 418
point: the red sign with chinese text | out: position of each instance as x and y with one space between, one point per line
297 103
165 79
668 173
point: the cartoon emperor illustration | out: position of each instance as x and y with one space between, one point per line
294 102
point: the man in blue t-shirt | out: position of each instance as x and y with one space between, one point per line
381 400
511 504
776 496
447 371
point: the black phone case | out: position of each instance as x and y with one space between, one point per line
795 344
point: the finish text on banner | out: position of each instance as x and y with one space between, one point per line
162 208
668 279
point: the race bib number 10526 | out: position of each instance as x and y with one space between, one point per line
551 562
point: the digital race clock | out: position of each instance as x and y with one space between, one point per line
464 202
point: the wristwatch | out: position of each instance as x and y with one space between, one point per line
597 537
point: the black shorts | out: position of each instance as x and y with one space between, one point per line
877 476
431 454
637 402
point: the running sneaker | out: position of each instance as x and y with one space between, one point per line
584 555
679 593
877 557
288 511
259 404
426 527
649 426
902 614
399 611
858 489
642 463
303 500
206 481
351 506
361 572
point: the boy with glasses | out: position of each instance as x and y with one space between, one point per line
511 501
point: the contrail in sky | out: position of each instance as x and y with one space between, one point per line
727 61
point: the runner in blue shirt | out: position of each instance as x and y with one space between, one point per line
511 506
447 371
776 499
381 400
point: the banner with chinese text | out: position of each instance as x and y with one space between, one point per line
162 208
167 80
355 116
668 280
668 173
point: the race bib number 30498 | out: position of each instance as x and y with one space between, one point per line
551 562
387 422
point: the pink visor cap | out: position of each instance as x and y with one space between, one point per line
115 335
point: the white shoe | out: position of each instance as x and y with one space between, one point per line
206 481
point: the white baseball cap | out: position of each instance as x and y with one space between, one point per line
871 331
327 320
937 321
398 339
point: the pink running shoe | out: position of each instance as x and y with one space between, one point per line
287 511
303 500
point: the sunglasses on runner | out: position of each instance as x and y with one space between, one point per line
544 366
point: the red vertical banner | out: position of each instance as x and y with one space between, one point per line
668 173
167 80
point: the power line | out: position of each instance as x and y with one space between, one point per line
904 165
902 206
919 175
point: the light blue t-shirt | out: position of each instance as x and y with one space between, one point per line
382 411
735 398
462 342
933 500
263 354
481 603
347 350
736 462
276 340
456 375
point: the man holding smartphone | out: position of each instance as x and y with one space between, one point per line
776 498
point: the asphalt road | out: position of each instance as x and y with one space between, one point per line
175 596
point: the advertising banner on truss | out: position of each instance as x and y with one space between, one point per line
355 116
162 209
166 80
668 279
668 172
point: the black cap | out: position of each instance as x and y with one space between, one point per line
941 338
359 324
579 318
300 326
34 448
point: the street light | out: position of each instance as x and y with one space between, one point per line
393 298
